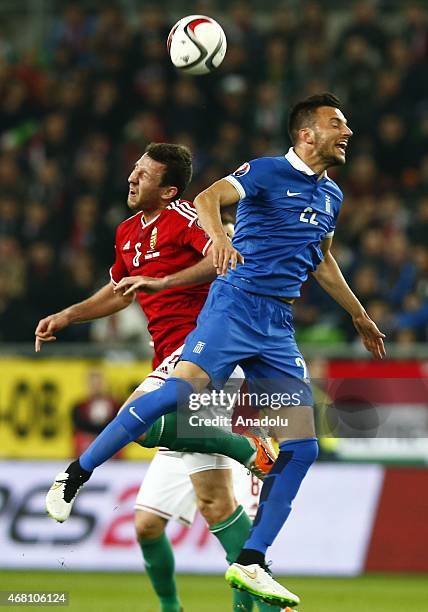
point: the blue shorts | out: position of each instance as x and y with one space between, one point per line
255 331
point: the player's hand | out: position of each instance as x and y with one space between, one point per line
146 284
223 253
47 327
370 334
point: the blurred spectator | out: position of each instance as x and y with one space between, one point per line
418 230
11 182
93 413
48 187
44 281
366 25
399 274
127 325
416 30
13 267
10 218
391 147
186 109
414 316
356 59
269 115
277 69
37 225
15 320
72 32
366 284
246 34
15 106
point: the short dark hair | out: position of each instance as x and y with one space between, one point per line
178 161
302 113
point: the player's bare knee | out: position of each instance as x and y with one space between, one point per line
148 526
214 494
216 508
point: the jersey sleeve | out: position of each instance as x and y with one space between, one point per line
187 229
333 219
250 178
196 237
118 269
332 227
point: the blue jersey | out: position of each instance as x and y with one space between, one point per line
284 214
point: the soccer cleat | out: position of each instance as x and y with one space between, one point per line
264 457
61 495
258 582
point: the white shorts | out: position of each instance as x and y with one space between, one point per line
155 379
167 489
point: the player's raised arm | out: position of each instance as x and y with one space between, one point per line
103 303
331 279
208 204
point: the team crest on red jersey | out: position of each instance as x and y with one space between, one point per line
153 238
242 170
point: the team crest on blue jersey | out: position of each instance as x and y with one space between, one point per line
242 170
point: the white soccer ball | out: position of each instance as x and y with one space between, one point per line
197 44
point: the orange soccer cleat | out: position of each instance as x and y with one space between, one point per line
264 456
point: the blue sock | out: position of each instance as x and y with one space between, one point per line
279 489
134 420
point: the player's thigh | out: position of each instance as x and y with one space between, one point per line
193 373
167 490
224 334
279 382
148 525
214 485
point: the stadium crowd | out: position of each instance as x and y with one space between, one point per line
76 112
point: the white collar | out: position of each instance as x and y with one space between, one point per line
143 221
299 164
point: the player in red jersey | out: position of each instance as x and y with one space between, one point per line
157 246
160 250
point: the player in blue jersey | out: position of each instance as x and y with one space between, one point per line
287 212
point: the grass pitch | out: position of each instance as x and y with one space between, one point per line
114 592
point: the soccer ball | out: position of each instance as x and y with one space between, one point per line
197 44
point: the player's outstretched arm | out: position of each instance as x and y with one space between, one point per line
331 279
208 204
202 272
103 303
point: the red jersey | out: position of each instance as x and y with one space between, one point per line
168 243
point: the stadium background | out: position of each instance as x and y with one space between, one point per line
84 87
